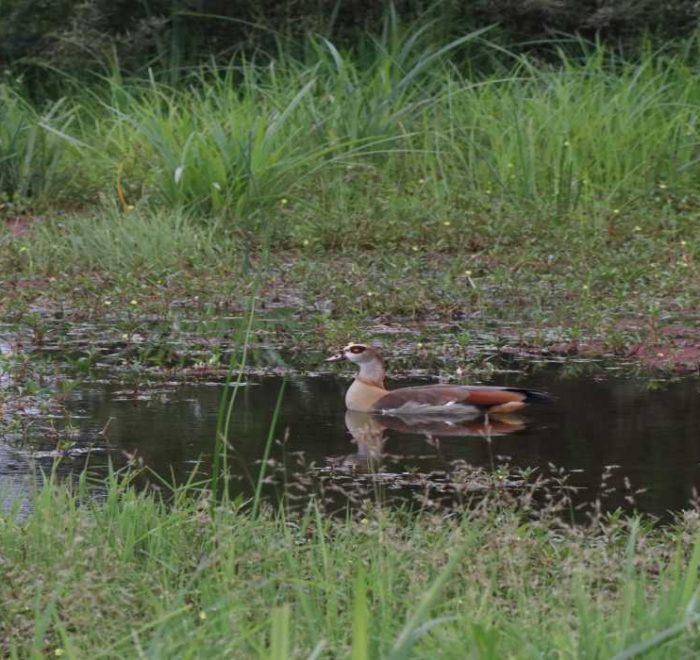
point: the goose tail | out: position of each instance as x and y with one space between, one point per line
532 396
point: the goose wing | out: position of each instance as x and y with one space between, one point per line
444 396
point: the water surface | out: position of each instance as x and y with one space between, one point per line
645 438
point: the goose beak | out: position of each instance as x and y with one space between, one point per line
336 358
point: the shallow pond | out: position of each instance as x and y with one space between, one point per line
642 437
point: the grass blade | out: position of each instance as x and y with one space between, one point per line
360 618
280 639
415 625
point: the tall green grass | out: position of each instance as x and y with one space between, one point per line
33 162
338 132
111 241
128 574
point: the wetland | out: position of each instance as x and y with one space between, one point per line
180 249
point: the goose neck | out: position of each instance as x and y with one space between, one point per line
372 373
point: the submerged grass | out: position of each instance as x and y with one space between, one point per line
531 289
138 576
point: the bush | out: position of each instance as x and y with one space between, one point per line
186 31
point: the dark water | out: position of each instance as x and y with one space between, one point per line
651 435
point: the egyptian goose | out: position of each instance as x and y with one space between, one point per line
368 394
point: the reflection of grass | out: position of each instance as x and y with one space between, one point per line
193 577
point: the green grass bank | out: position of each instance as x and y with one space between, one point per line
401 132
396 181
128 575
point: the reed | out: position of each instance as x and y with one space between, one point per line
219 485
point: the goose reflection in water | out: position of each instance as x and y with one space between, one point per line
368 432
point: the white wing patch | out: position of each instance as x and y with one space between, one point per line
447 409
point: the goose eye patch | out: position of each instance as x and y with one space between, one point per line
357 349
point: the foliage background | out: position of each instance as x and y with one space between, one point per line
62 32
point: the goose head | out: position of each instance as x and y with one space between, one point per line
357 354
368 358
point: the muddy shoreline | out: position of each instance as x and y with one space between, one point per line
187 331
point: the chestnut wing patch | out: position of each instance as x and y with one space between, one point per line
493 397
